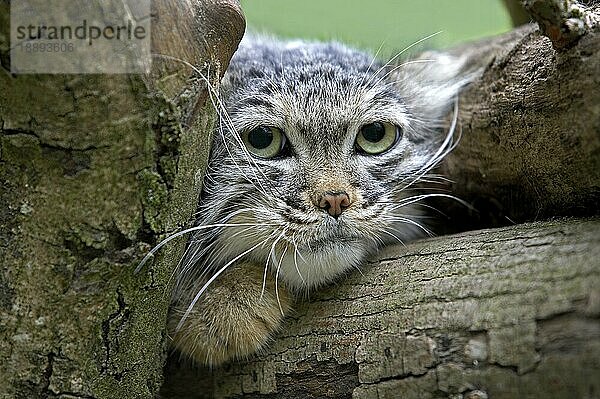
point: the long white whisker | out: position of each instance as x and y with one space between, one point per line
203 251
220 107
296 260
392 235
405 49
417 198
241 145
362 80
416 224
445 148
209 282
395 68
277 279
179 234
274 260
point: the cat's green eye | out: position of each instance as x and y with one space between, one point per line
264 141
377 137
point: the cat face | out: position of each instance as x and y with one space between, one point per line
314 157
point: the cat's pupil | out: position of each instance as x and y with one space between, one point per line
373 132
261 137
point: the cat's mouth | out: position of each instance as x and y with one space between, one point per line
320 230
321 260
328 233
323 244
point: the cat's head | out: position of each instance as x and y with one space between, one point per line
318 146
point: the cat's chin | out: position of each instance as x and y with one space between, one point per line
322 262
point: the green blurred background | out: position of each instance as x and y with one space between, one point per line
386 23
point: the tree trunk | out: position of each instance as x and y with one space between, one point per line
530 143
94 169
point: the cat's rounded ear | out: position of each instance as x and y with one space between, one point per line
430 83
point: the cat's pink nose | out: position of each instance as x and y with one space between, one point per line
334 202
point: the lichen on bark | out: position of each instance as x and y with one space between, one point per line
95 170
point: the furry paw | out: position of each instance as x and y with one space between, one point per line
233 319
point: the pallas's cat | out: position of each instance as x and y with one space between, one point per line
316 154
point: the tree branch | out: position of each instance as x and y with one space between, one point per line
511 312
563 21
529 147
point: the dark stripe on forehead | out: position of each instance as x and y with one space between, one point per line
256 102
268 88
387 94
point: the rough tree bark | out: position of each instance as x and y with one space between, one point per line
505 313
511 312
93 170
530 131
